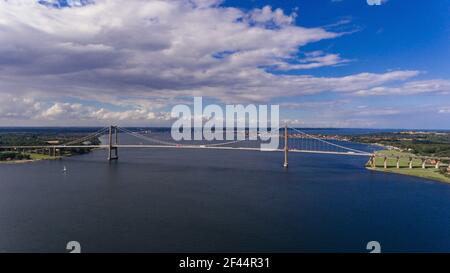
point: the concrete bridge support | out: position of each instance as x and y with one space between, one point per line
112 148
286 147
372 161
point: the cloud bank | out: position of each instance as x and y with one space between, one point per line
95 62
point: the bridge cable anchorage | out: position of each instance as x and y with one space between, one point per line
350 150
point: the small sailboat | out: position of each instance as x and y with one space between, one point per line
64 169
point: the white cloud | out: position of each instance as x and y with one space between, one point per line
143 49
410 88
444 110
60 110
130 115
141 56
13 107
267 16
313 59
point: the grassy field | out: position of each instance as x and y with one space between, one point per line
41 157
429 173
33 157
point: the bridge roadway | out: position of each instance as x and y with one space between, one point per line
183 147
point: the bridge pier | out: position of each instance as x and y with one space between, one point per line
112 148
438 164
372 161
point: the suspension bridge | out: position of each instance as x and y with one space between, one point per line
293 140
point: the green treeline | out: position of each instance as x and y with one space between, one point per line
35 139
417 143
4 156
41 139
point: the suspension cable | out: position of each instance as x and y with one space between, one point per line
82 139
146 138
329 143
138 135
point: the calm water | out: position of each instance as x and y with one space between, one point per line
223 201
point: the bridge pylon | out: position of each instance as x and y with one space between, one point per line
286 147
113 153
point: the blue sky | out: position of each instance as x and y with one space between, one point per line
395 35
328 63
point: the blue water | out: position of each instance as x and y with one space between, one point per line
180 200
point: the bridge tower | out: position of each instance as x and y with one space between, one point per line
113 136
286 147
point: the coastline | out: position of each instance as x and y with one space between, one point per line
29 160
439 177
18 161
33 158
41 157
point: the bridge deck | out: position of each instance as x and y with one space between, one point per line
181 147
